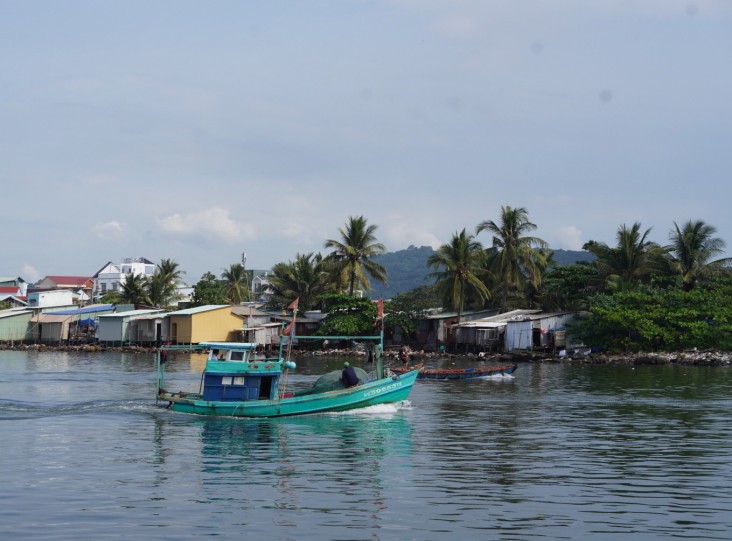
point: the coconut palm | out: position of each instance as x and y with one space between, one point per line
162 286
133 290
633 260
691 249
458 268
514 257
352 254
305 278
237 283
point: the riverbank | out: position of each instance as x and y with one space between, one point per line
690 357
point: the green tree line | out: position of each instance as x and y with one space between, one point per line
638 294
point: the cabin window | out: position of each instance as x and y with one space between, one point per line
226 380
237 355
239 380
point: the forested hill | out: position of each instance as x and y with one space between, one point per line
407 269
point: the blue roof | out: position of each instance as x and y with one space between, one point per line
86 310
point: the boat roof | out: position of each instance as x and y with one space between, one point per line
228 345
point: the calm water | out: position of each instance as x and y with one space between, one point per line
557 452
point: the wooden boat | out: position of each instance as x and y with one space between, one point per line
458 373
235 384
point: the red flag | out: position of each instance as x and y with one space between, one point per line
380 312
290 328
293 304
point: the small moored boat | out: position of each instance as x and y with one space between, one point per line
236 384
459 373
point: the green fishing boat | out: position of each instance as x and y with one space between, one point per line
235 383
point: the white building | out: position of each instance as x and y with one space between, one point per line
51 298
112 275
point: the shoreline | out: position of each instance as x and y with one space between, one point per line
688 357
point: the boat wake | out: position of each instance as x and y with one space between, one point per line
10 410
376 410
498 377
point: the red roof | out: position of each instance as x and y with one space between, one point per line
77 281
12 290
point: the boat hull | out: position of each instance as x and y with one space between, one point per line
462 373
384 391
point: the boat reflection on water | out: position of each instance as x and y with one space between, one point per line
335 437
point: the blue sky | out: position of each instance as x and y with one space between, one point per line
199 130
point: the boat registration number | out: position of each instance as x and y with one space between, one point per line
380 390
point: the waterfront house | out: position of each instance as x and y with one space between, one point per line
517 330
138 327
15 325
73 325
436 331
212 322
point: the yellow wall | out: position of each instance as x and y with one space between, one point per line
211 326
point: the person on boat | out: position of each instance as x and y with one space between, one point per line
403 356
348 376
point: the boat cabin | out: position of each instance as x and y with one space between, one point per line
233 375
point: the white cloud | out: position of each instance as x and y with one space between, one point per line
569 238
113 230
213 222
29 273
400 235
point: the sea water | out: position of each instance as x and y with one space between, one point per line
559 451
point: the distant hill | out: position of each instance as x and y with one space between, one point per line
407 269
570 257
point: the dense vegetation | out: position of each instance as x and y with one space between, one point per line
635 295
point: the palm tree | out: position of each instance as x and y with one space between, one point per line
133 290
305 278
353 253
692 247
515 257
633 260
458 267
237 283
162 287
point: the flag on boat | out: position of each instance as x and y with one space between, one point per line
293 304
380 312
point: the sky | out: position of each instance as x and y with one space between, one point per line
200 130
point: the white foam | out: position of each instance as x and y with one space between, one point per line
377 410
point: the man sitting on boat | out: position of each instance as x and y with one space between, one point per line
348 376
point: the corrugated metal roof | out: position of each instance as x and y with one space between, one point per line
246 311
50 318
501 319
199 309
14 312
445 315
86 310
129 313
